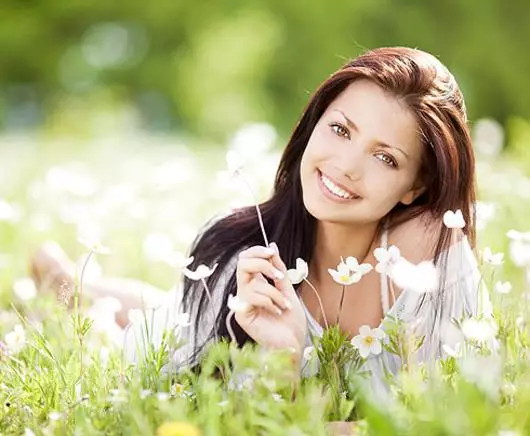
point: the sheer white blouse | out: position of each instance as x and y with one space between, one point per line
431 314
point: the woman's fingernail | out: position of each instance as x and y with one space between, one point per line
279 312
274 247
278 274
288 304
270 251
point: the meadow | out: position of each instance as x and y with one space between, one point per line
145 197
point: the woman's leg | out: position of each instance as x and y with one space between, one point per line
52 270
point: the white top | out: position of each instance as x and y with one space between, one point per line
459 298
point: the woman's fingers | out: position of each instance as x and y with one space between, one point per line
248 267
257 300
257 251
271 292
283 283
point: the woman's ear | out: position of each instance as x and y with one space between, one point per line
412 194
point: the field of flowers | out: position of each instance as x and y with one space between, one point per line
63 372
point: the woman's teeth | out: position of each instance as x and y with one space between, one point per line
339 192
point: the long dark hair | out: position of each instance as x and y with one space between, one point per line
447 171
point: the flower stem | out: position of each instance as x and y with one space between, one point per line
341 301
211 305
229 326
319 302
258 211
77 318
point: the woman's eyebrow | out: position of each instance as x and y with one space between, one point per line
354 127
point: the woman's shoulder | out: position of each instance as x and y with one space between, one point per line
417 238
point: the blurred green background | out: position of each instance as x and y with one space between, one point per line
206 67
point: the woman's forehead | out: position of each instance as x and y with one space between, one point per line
379 115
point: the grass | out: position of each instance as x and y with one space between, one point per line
146 198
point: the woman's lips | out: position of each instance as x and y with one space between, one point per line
328 186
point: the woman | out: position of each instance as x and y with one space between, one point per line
380 153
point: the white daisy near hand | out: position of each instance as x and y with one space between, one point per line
342 275
386 258
368 341
492 259
349 271
357 270
202 272
454 220
298 274
236 304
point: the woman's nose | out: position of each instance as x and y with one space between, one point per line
351 164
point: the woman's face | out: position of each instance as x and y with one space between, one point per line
363 157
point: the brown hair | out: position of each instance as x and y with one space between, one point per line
447 171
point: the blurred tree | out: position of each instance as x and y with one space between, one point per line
209 66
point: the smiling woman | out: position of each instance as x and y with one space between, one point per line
380 153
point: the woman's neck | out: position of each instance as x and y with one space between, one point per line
334 241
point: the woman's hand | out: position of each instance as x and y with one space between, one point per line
275 317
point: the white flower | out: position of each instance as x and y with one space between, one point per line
308 352
202 272
356 268
368 341
419 278
480 330
454 220
386 258
162 396
15 340
342 274
236 304
299 274
519 247
55 416
349 271
177 260
94 246
234 163
28 432
485 212
492 259
277 397
25 289
515 235
144 393
503 287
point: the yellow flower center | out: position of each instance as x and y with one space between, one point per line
345 278
369 340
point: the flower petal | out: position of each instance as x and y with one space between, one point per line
378 333
381 254
376 347
365 330
364 351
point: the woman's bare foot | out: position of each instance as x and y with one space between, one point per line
53 271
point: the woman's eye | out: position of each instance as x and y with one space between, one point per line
340 130
386 159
